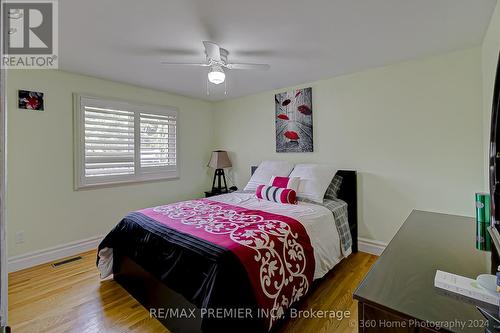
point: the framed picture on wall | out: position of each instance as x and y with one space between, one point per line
294 122
30 100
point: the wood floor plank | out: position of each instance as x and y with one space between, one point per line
71 298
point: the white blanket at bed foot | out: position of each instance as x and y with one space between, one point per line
105 265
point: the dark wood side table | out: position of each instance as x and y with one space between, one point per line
398 293
209 194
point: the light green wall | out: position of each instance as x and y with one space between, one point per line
40 196
412 130
489 57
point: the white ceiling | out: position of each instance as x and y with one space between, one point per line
125 40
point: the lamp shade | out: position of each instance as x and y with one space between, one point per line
219 160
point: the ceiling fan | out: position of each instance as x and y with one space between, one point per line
218 63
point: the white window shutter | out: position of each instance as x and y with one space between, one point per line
158 142
109 142
119 142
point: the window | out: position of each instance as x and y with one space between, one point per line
119 142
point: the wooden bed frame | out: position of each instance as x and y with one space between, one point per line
154 295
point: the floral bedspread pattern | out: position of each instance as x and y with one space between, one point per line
274 249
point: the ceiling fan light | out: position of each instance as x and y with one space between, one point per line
216 75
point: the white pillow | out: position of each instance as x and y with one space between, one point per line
266 170
314 180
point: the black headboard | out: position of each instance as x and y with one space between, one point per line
348 193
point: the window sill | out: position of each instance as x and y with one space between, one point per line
114 183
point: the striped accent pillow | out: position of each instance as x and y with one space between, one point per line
285 182
276 194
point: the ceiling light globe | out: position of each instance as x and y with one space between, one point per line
216 76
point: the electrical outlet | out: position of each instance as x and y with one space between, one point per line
19 237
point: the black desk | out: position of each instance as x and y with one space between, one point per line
400 285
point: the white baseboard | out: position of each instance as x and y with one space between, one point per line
371 246
70 249
54 253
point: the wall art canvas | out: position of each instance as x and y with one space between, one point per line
30 100
294 121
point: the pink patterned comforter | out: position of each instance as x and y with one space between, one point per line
274 249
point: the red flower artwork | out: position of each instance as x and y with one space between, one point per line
293 118
30 100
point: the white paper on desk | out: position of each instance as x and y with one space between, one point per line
465 286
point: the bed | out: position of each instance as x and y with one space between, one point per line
191 282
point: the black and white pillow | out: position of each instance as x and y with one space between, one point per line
332 192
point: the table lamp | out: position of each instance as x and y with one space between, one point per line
219 161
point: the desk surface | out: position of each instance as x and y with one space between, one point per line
402 279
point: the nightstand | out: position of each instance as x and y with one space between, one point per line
209 194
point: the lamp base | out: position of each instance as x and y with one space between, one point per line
219 175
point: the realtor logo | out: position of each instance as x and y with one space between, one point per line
29 34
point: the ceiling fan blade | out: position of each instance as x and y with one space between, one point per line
184 64
261 67
212 50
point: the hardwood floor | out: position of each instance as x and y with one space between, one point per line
71 298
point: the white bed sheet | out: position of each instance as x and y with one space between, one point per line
317 220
